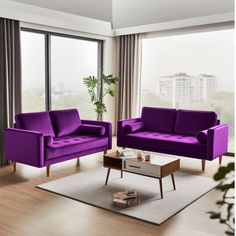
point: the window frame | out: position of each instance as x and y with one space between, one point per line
48 79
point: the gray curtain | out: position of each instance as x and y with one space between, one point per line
129 67
10 76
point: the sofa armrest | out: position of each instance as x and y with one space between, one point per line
217 141
24 146
106 125
120 129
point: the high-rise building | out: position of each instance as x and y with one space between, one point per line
183 89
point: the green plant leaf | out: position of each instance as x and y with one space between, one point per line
223 171
215 215
224 187
229 233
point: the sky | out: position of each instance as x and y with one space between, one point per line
198 53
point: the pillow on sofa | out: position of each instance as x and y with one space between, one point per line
35 121
48 140
202 136
133 127
96 130
65 122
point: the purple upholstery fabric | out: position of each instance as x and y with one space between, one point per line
217 141
65 122
106 125
96 130
190 122
158 119
24 146
120 130
133 127
35 121
202 136
185 142
167 141
48 140
72 144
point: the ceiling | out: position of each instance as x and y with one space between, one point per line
127 13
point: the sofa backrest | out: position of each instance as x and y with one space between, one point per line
35 121
158 119
190 122
65 122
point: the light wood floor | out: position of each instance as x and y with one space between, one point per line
28 211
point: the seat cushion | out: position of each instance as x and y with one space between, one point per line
65 122
73 144
35 121
166 141
190 122
158 119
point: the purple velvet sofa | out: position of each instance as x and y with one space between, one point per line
189 133
43 138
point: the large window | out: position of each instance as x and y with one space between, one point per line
191 71
33 71
53 68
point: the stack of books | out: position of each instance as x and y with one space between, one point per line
125 198
125 153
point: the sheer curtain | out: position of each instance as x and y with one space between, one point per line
10 76
129 70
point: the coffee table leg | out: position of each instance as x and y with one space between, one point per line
173 181
108 173
121 173
160 182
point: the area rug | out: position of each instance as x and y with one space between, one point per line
88 187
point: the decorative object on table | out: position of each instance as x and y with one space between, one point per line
190 133
140 155
98 89
126 198
147 156
87 187
125 153
225 174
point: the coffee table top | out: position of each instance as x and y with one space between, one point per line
155 159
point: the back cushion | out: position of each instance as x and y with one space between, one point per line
158 119
191 122
35 121
65 122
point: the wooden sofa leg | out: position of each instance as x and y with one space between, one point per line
203 165
105 152
14 166
220 159
48 170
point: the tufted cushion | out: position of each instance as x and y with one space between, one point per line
96 130
65 122
159 141
73 144
35 121
158 119
190 122
48 140
137 126
202 136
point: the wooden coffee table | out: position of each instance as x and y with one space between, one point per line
158 167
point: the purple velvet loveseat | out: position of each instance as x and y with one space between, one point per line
189 133
43 138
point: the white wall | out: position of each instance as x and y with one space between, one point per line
128 13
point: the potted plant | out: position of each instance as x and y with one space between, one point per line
98 89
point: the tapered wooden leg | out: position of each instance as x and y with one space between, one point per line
173 181
220 160
121 173
105 152
161 190
14 166
108 173
203 165
48 170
